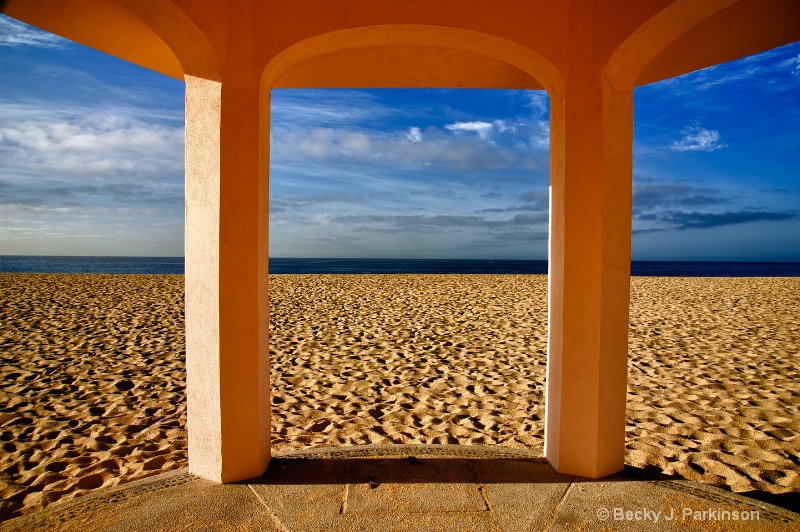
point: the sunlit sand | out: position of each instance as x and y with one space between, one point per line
93 373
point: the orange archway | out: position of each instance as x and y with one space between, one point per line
447 51
588 54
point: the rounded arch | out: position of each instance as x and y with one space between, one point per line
178 31
154 34
639 50
690 35
505 51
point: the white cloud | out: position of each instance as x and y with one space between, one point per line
481 128
793 64
764 68
539 102
696 138
414 135
86 143
540 135
15 33
73 178
435 148
356 143
501 126
329 108
720 75
322 144
527 134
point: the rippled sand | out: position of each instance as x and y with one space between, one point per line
93 373
370 359
714 380
92 385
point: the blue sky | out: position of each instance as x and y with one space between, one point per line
91 163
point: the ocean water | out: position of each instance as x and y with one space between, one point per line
639 268
175 265
39 264
405 266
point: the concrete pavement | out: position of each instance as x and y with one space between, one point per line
411 487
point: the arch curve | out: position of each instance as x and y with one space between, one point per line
179 32
639 50
445 37
690 35
154 34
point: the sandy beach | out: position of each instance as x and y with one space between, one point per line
93 376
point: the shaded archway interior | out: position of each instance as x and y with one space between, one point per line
739 30
97 24
405 66
161 35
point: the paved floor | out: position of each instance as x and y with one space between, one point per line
411 488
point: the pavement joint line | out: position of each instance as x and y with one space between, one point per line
481 487
271 514
346 489
482 491
557 507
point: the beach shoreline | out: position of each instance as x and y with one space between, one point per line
94 373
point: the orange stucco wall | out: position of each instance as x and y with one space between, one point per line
667 37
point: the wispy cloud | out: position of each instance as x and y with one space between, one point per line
481 128
279 204
50 193
299 108
91 151
540 135
86 143
431 148
77 179
660 205
354 139
697 138
414 134
792 65
444 194
526 134
14 33
651 194
683 221
435 223
720 75
538 102
537 201
763 68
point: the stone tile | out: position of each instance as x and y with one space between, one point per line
523 494
199 505
397 492
620 503
300 493
424 486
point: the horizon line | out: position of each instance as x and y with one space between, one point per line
389 258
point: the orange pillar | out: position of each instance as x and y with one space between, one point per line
590 228
226 276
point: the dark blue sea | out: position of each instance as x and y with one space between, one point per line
36 264
174 265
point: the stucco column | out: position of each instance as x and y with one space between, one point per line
226 280
590 229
